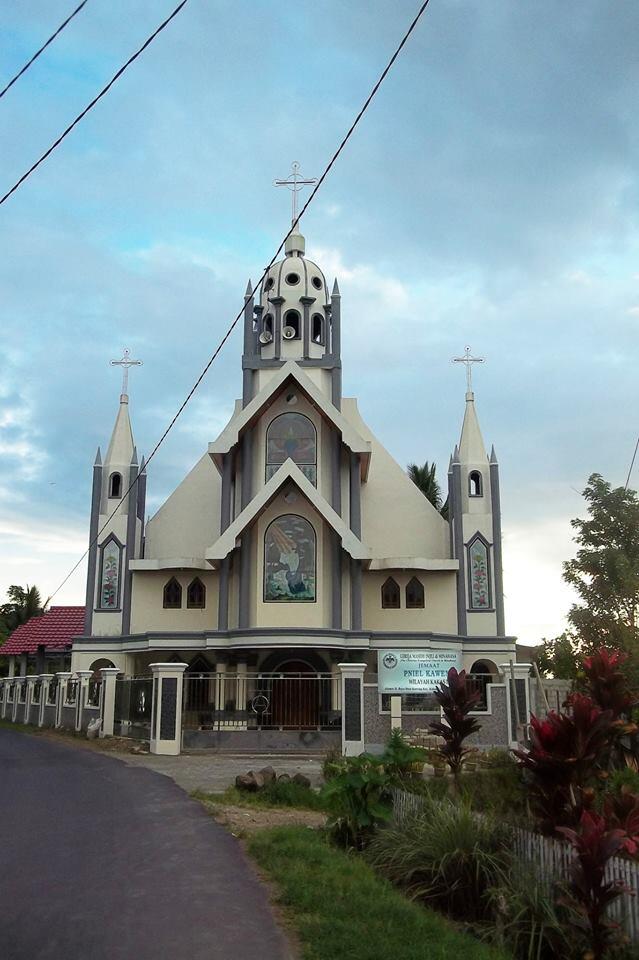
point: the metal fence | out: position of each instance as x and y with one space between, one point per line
52 692
261 701
132 710
93 693
551 860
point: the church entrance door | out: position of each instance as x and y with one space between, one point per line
295 697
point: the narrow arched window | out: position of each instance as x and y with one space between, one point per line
479 574
172 595
110 561
414 594
292 328
317 329
474 484
289 559
390 595
196 595
115 485
292 435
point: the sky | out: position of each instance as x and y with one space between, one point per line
489 197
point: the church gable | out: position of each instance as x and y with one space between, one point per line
189 521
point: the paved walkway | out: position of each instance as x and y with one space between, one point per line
214 772
101 861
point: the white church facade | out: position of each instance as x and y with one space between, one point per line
296 542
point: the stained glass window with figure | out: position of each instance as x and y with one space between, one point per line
292 435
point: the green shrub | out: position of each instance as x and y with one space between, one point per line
358 797
445 856
625 777
498 757
399 758
499 791
332 764
527 920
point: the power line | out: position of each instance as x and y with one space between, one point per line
43 48
228 333
632 463
90 106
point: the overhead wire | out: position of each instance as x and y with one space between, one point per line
234 323
80 116
632 463
42 48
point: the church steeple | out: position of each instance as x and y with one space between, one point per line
116 527
295 317
475 518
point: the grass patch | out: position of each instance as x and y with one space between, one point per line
341 910
276 794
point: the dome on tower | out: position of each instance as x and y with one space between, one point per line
294 277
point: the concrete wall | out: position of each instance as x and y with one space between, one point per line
148 613
440 611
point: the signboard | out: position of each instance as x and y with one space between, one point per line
414 671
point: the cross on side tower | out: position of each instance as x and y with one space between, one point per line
125 363
295 183
468 360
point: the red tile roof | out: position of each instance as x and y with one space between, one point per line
54 630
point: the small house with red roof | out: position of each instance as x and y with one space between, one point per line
43 644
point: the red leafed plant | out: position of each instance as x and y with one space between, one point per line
456 700
590 894
607 683
562 761
621 811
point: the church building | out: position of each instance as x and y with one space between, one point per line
296 542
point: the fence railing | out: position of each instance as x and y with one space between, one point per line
132 708
93 693
551 860
261 701
52 692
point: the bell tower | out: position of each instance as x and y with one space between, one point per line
117 524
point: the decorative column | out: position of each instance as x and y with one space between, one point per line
516 676
81 697
240 697
61 694
46 679
30 683
17 695
107 700
336 687
220 689
3 695
352 708
166 711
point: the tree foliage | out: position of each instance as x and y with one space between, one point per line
23 603
605 573
424 478
558 658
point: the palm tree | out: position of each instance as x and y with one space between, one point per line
424 478
24 603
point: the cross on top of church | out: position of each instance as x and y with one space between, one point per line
125 363
468 360
295 182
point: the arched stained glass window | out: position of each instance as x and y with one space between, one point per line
196 595
292 435
479 574
172 596
110 575
289 559
390 594
414 594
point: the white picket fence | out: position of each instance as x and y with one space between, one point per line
551 860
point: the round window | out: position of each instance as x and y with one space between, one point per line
292 278
317 283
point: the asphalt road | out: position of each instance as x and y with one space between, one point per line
102 860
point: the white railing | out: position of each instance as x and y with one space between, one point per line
552 860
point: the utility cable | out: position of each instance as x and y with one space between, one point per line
90 106
632 463
42 48
228 333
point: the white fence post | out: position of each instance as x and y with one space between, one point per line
46 679
166 710
107 700
61 695
352 708
80 701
